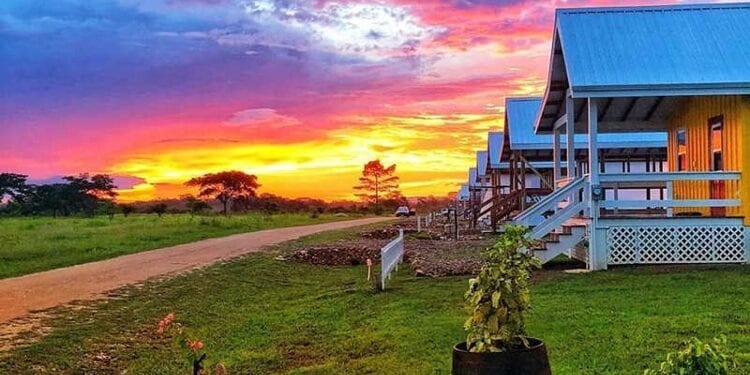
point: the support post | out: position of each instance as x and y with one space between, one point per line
570 134
670 194
597 240
747 245
556 156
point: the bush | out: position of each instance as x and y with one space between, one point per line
698 358
499 297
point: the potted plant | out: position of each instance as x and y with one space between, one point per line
497 300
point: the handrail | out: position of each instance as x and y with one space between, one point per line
670 176
390 256
550 202
504 205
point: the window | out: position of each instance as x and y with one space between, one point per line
681 150
717 135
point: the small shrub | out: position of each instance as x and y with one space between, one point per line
499 297
698 358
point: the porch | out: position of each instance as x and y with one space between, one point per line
633 231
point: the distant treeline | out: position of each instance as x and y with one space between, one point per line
89 195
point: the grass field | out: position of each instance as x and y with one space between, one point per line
258 315
32 244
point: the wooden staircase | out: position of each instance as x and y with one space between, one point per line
561 241
557 220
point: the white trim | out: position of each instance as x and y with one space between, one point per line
672 203
570 134
560 122
556 154
666 222
671 176
659 90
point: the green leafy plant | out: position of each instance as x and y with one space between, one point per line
698 358
499 297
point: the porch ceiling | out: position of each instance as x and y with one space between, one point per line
615 115
610 154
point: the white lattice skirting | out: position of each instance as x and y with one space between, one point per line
676 244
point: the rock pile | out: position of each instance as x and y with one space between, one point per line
338 254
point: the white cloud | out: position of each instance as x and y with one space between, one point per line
373 31
261 118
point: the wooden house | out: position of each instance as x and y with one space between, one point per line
683 69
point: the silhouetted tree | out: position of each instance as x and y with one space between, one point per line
14 192
51 198
84 193
126 209
226 186
378 181
12 185
158 209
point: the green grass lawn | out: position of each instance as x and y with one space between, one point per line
32 244
258 315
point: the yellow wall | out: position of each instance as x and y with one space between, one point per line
693 115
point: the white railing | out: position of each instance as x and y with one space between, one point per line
667 179
551 202
390 256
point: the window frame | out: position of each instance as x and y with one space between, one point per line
681 150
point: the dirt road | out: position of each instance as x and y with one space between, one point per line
20 295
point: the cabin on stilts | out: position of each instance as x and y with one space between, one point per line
532 168
683 69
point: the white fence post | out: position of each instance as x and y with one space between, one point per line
419 224
390 256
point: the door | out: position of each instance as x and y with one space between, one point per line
717 189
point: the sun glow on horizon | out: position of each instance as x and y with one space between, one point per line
301 94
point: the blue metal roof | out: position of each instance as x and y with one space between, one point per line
463 193
494 148
481 164
688 49
473 178
520 122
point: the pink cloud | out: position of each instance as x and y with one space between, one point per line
261 118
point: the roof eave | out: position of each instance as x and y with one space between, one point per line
614 91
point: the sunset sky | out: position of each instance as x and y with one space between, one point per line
300 93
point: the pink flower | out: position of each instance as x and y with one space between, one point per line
195 344
165 323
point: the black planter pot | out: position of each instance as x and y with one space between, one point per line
523 361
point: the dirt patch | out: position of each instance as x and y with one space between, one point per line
437 258
341 253
390 232
23 331
428 252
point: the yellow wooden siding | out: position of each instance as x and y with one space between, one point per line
693 115
744 156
